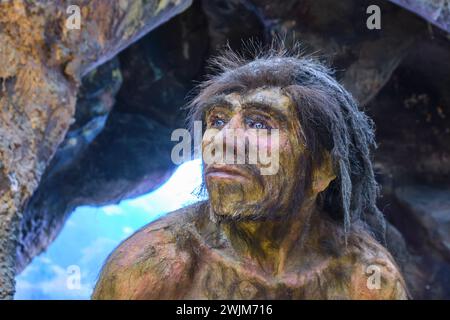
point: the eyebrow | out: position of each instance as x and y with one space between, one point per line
218 101
267 108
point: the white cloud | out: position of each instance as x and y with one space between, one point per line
53 288
177 192
100 247
127 230
112 210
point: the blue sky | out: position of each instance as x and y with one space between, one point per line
91 233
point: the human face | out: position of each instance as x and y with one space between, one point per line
240 188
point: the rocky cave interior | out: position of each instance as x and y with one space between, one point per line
118 145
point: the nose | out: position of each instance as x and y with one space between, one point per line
236 122
233 139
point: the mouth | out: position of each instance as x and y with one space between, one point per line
226 172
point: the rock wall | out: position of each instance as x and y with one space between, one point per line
42 62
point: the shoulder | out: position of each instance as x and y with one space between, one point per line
374 273
152 263
358 266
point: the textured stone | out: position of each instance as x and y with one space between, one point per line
38 87
434 11
430 208
421 213
125 150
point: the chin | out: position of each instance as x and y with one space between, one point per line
240 212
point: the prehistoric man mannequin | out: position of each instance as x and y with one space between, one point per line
305 232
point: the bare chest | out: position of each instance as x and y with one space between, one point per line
220 278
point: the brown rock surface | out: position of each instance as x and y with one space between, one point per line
42 62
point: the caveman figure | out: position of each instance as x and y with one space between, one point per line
309 230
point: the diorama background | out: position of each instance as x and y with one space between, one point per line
86 118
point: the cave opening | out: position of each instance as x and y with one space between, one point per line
113 173
69 268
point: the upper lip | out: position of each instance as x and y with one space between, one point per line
227 169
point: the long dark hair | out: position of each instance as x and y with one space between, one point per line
329 117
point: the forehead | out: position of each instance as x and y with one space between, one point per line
268 98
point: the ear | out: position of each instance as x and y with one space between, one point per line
323 174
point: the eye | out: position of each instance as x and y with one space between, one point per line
218 122
257 124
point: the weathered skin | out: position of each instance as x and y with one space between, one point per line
236 245
177 257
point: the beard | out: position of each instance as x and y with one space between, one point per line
258 198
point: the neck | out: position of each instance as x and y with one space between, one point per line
269 241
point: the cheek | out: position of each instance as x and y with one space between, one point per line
283 146
270 142
290 152
209 136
